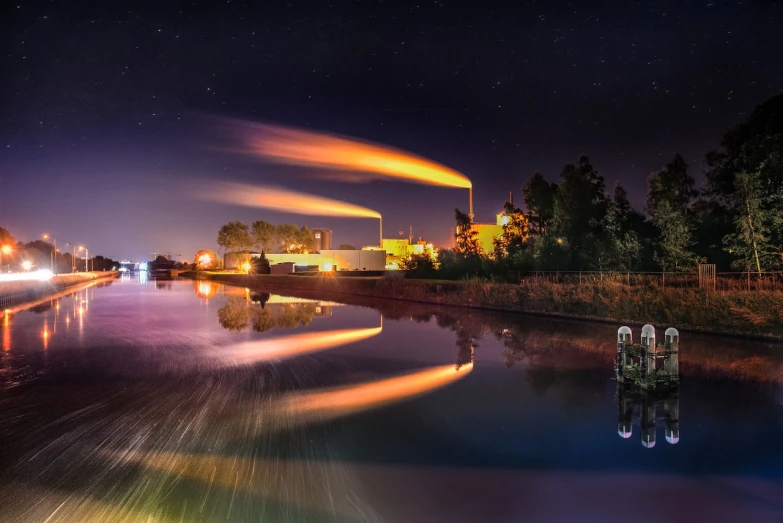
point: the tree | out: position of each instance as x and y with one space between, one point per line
235 237
467 236
579 211
287 237
263 234
753 148
539 196
624 225
346 247
235 314
419 266
6 238
669 192
261 264
750 242
306 240
515 232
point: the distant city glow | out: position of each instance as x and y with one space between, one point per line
143 266
27 265
287 145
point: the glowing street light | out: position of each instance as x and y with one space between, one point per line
54 240
246 267
5 249
27 265
86 257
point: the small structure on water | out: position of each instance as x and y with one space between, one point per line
647 375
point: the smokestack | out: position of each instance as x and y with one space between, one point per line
511 197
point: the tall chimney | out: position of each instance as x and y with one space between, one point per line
511 197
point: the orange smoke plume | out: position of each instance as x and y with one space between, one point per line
287 201
286 145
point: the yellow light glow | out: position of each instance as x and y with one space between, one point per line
354 398
287 145
287 201
204 260
288 346
246 267
6 249
327 267
206 289
27 265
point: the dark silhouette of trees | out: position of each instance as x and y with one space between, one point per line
419 266
346 247
235 237
669 194
539 196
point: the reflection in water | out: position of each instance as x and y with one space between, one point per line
238 313
642 408
341 401
295 345
123 426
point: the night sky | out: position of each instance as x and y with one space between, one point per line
113 113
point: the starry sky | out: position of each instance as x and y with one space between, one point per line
111 113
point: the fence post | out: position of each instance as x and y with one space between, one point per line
628 278
580 277
748 280
663 279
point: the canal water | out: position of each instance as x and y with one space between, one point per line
144 400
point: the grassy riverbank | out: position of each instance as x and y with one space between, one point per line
739 312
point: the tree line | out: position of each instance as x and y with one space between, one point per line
574 223
238 237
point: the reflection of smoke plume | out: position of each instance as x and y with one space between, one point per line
286 201
288 145
355 398
288 346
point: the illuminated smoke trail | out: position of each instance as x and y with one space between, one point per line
289 346
288 145
346 400
287 201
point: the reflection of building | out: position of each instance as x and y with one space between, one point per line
323 239
640 407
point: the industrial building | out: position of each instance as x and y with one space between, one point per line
399 248
323 239
326 260
488 231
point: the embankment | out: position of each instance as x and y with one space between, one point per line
12 292
754 313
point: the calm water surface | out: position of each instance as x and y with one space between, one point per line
139 400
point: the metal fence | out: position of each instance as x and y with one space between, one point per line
724 281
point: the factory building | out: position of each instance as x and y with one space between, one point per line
326 260
399 248
488 231
323 239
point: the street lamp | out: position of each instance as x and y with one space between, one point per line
86 257
53 257
5 249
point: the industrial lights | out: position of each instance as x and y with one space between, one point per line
27 265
